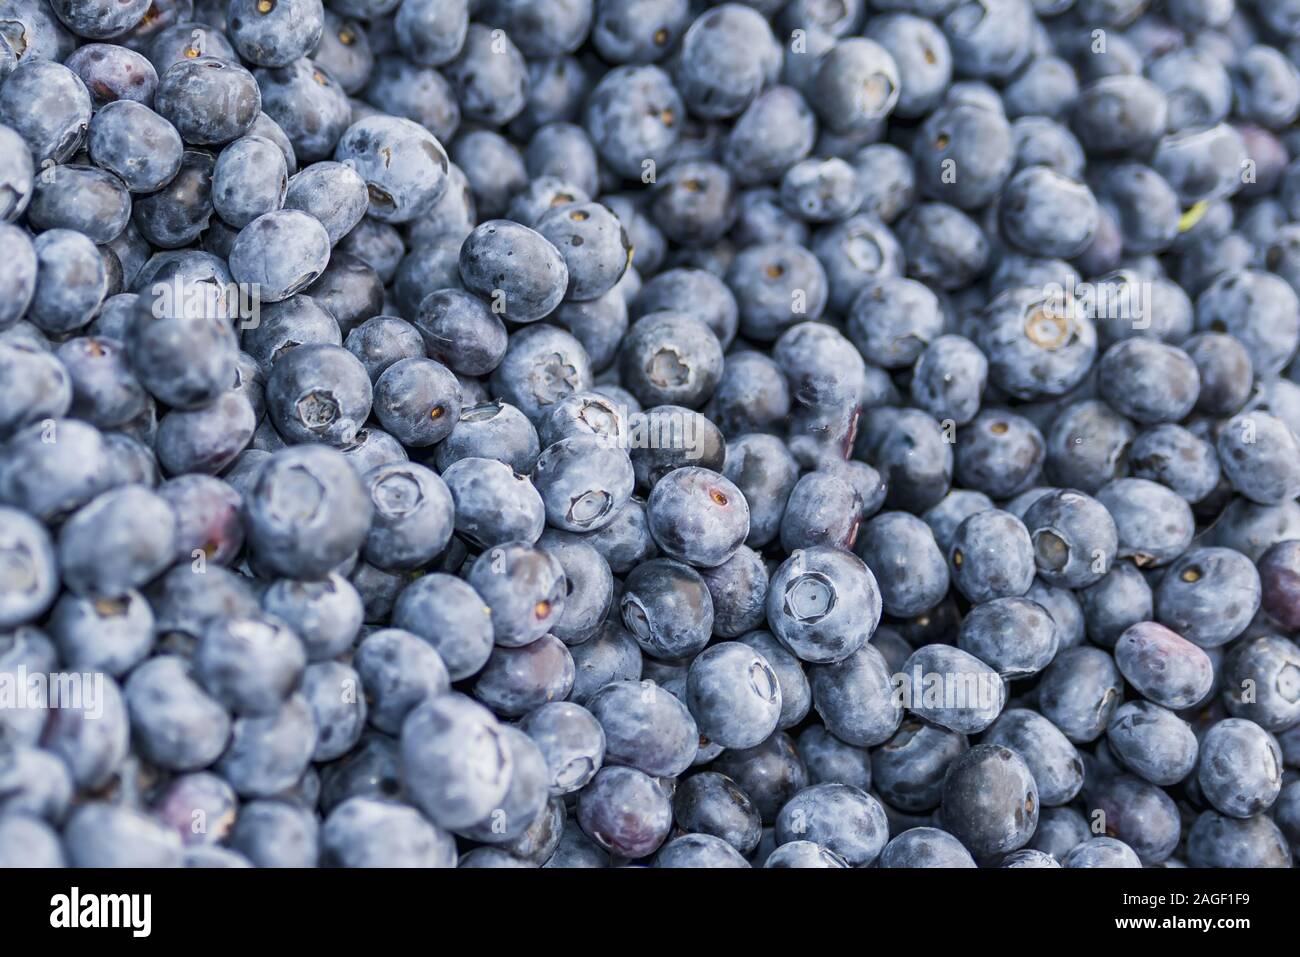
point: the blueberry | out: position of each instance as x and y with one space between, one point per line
334 692
178 213
1074 537
804 854
258 255
667 607
491 430
990 800
776 284
398 672
1176 457
1257 677
210 101
589 587
1155 525
177 725
365 832
1015 636
830 760
671 358
30 580
456 763
47 105
1217 841
448 614
699 850
583 482
309 106
103 634
494 503
625 811
823 604
461 331
109 835
843 819
1000 454
925 847
572 742
715 77
268 754
489 75
403 165
1102 852
992 556
1152 742
908 770
1086 445
248 180
734 695
611 655
431 32
307 511
111 72
1079 692
318 392
712 804
274 33
517 680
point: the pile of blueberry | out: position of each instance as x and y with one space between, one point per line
588 433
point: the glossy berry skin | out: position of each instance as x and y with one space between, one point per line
855 697
1075 539
308 511
908 566
843 819
991 556
1152 742
455 763
1239 769
1163 666
398 672
1079 692
1266 666
667 608
645 727
1209 595
990 800
734 695
823 604
625 811
448 614
524 588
